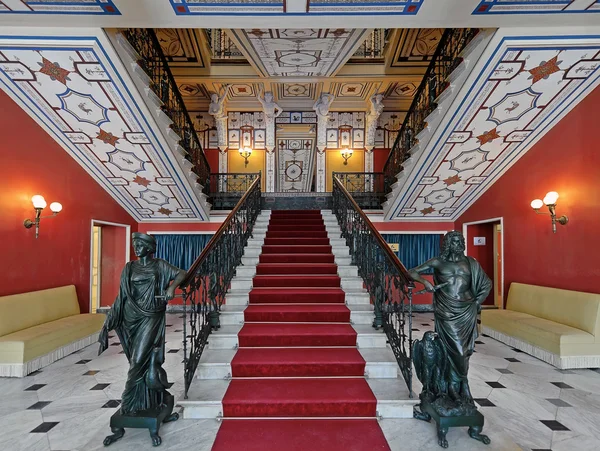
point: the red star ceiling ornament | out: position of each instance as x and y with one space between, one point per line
545 69
452 180
427 211
54 71
488 137
141 181
164 211
107 137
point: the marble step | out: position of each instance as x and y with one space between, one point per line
205 399
216 364
227 337
240 296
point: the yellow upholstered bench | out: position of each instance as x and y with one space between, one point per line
40 327
560 327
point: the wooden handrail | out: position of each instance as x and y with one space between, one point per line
388 251
190 274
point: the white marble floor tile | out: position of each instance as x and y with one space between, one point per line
572 441
580 421
523 404
540 389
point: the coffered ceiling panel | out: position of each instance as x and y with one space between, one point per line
414 47
181 46
298 52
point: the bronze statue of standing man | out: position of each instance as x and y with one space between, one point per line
138 318
460 287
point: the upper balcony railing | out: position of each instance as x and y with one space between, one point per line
366 188
226 189
162 83
445 59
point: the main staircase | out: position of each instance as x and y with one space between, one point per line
296 364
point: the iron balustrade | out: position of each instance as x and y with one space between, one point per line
367 188
445 59
152 60
226 189
208 279
388 282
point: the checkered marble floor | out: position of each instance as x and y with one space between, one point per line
67 405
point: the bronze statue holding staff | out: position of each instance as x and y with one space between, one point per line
138 318
442 358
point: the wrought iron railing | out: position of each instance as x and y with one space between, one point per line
226 189
445 59
367 188
386 279
221 45
162 83
208 279
373 46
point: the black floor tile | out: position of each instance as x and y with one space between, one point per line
517 350
122 352
479 343
91 372
424 324
34 387
512 359
504 371
44 427
484 335
111 336
178 330
116 343
169 325
112 404
555 425
541 449
82 362
561 385
172 351
169 384
415 330
34 373
99 386
495 384
484 402
38 405
559 402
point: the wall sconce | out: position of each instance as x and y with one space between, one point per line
39 203
346 153
245 152
550 201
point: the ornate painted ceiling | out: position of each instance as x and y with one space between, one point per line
59 7
77 89
537 6
516 93
295 52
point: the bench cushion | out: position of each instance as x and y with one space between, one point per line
21 311
36 341
571 308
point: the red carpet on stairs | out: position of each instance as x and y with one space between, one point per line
298 371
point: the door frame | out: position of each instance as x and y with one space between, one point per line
97 222
487 221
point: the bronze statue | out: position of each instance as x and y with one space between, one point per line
442 358
138 317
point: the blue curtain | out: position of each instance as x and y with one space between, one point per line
180 250
415 249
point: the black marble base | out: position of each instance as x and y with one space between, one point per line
426 412
146 419
296 201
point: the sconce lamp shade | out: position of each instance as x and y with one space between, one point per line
38 201
245 151
551 198
56 207
346 153
537 204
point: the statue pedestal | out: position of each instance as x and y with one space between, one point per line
473 422
146 419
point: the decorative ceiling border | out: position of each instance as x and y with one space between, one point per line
277 7
524 88
537 7
104 7
84 103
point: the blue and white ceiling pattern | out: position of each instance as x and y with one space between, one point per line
265 7
106 7
537 6
524 88
71 88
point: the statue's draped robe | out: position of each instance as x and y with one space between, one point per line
138 318
456 321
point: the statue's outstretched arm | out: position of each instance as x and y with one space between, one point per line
415 273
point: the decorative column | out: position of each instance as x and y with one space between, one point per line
271 110
321 107
372 118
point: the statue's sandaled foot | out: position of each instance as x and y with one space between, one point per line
442 437
172 417
475 432
156 440
117 434
421 415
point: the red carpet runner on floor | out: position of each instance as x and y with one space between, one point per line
297 377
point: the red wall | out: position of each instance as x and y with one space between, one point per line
379 158
483 254
33 163
566 160
212 156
